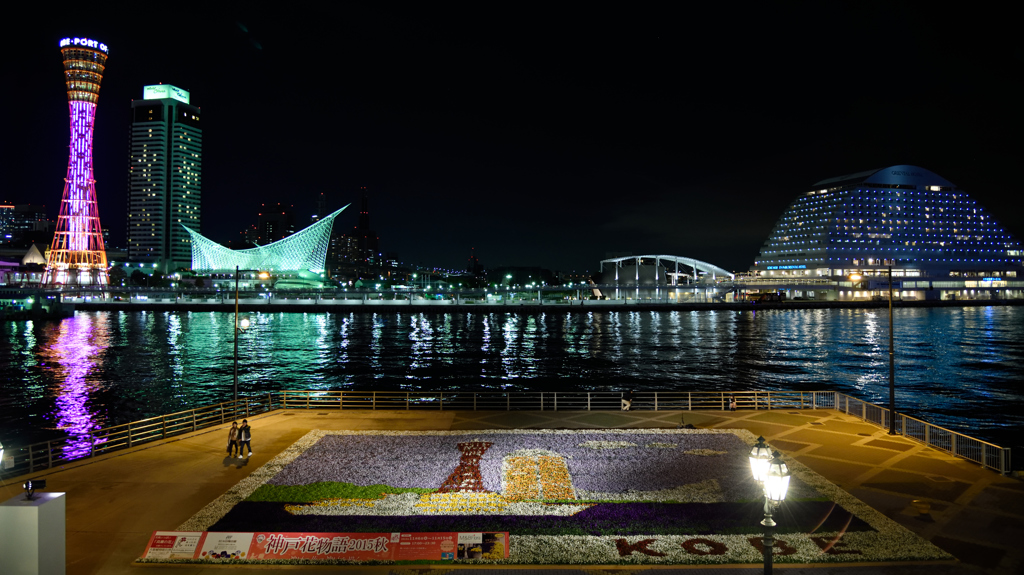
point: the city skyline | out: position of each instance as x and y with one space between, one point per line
550 139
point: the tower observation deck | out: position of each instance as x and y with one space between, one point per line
77 255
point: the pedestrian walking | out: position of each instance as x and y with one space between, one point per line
732 403
233 439
244 437
627 400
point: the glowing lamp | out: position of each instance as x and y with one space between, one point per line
243 323
760 456
776 483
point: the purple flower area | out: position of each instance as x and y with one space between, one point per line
620 519
426 460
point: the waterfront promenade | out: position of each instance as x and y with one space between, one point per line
115 502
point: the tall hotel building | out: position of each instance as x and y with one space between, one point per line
935 239
165 180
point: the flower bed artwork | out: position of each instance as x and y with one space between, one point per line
565 497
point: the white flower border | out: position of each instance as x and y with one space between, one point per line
890 542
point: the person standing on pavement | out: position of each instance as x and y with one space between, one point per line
233 439
244 437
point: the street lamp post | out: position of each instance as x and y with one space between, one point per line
772 473
892 366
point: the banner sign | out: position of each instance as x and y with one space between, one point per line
267 545
173 545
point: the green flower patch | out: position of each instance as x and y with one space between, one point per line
328 490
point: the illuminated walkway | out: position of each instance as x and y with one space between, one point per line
115 502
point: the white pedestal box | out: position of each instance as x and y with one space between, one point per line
32 535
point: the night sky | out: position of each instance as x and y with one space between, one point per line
537 135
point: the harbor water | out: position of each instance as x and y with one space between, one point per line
956 367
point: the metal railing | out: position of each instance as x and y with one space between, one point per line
45 455
554 400
988 455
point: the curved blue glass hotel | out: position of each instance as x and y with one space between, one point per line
938 241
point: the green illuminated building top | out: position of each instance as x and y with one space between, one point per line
164 91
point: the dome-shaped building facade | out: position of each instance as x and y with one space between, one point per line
902 217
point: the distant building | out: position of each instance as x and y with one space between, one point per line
936 238
366 239
275 223
165 177
6 223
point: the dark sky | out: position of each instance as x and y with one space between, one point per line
537 135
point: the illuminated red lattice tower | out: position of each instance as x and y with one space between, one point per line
77 255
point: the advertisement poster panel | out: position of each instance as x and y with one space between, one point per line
271 545
225 546
173 545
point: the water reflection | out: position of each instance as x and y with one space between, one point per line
950 363
77 351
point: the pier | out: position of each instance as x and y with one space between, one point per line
115 500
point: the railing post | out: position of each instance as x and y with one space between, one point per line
307 394
689 401
588 401
341 400
441 401
474 401
508 401
247 408
31 460
769 401
163 427
92 447
373 401
655 401
221 413
130 429
407 401
984 455
49 455
542 401
556 401
952 444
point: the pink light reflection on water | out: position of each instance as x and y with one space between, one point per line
76 351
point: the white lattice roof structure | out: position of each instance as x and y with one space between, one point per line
303 250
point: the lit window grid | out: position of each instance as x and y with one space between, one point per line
841 225
165 189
